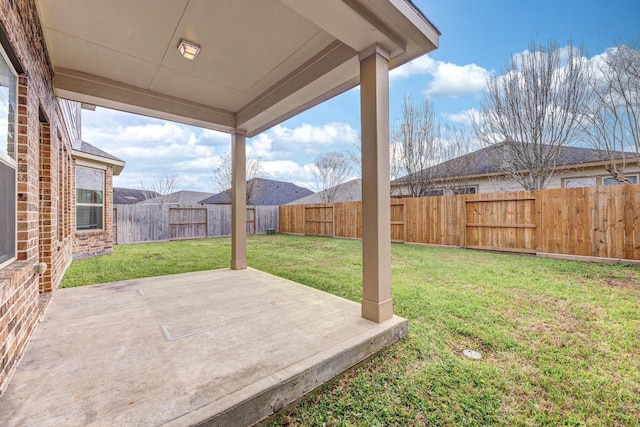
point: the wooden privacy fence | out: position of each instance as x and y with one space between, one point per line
601 222
150 223
501 224
188 223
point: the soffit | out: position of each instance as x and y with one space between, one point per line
261 62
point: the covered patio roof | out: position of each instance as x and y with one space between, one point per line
260 62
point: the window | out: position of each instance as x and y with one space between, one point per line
8 126
63 190
89 198
579 182
463 190
433 192
633 179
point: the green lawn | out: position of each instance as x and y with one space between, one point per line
560 339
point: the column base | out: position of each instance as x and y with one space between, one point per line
240 264
377 311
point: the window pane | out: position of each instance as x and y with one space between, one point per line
579 182
88 196
89 217
7 212
89 179
434 192
633 179
464 190
8 102
7 110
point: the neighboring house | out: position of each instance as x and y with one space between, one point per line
477 173
178 198
131 196
350 191
264 192
94 171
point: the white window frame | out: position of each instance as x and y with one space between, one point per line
6 159
102 205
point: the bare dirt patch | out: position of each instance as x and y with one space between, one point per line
621 284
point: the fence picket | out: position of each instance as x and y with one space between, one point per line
591 222
151 223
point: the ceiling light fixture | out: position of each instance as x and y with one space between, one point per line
188 49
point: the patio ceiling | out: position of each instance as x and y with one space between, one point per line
261 62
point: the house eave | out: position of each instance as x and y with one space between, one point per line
117 165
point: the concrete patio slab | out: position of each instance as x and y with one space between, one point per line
217 347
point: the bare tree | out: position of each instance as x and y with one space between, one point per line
611 121
395 158
421 149
160 189
221 176
354 153
330 170
454 144
533 110
413 148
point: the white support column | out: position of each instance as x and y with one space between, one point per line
376 210
238 200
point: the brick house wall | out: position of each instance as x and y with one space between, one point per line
45 187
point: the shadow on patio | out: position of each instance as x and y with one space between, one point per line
228 347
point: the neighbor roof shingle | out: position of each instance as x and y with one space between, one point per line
481 163
268 192
182 198
85 147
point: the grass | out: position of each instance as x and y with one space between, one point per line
560 339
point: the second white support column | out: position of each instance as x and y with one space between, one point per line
238 201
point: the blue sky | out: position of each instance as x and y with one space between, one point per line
477 38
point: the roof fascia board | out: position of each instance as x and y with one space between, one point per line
417 18
87 159
349 22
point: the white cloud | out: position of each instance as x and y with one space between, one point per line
261 146
448 80
304 142
451 80
215 138
287 152
464 117
329 134
154 148
287 170
422 65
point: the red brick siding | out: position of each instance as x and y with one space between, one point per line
21 303
48 203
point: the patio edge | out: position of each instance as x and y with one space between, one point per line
260 400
